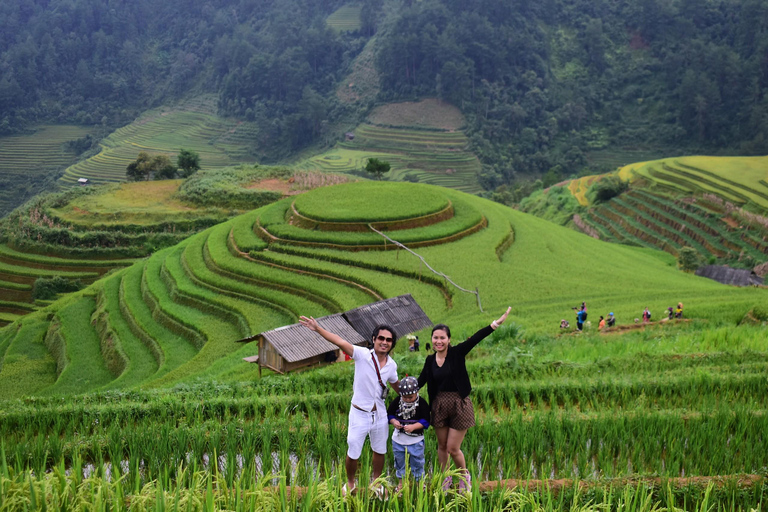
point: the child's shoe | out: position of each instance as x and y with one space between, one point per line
465 484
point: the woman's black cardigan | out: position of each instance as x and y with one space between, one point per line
456 358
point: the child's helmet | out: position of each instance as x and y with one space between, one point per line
409 386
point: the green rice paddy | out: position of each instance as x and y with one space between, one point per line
360 202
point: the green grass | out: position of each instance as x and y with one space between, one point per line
27 367
365 202
243 235
7 252
15 286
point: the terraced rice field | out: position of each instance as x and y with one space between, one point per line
688 202
345 19
19 270
26 161
219 142
171 408
661 222
434 157
736 179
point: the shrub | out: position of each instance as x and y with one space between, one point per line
760 313
226 187
606 189
45 289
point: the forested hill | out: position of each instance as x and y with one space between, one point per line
542 83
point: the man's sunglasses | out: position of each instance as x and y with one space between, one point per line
383 338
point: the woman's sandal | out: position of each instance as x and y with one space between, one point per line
379 492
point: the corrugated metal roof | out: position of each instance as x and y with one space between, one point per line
296 342
402 313
728 275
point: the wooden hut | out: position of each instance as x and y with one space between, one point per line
402 313
294 346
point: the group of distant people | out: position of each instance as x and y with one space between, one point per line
581 317
672 313
449 410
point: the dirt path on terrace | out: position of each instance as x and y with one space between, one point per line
618 329
274 184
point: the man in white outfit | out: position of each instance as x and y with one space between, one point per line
374 369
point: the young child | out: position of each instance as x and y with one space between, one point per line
409 414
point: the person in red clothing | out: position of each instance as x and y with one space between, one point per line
448 387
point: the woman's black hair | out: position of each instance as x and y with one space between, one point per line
384 327
443 327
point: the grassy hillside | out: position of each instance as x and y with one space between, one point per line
152 346
221 284
28 163
423 141
715 205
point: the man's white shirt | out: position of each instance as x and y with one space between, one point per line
366 388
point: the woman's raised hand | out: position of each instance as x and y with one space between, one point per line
309 323
503 317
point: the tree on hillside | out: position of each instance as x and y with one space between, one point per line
138 169
377 167
188 162
162 168
688 259
146 167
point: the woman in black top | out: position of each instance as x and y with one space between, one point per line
448 387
